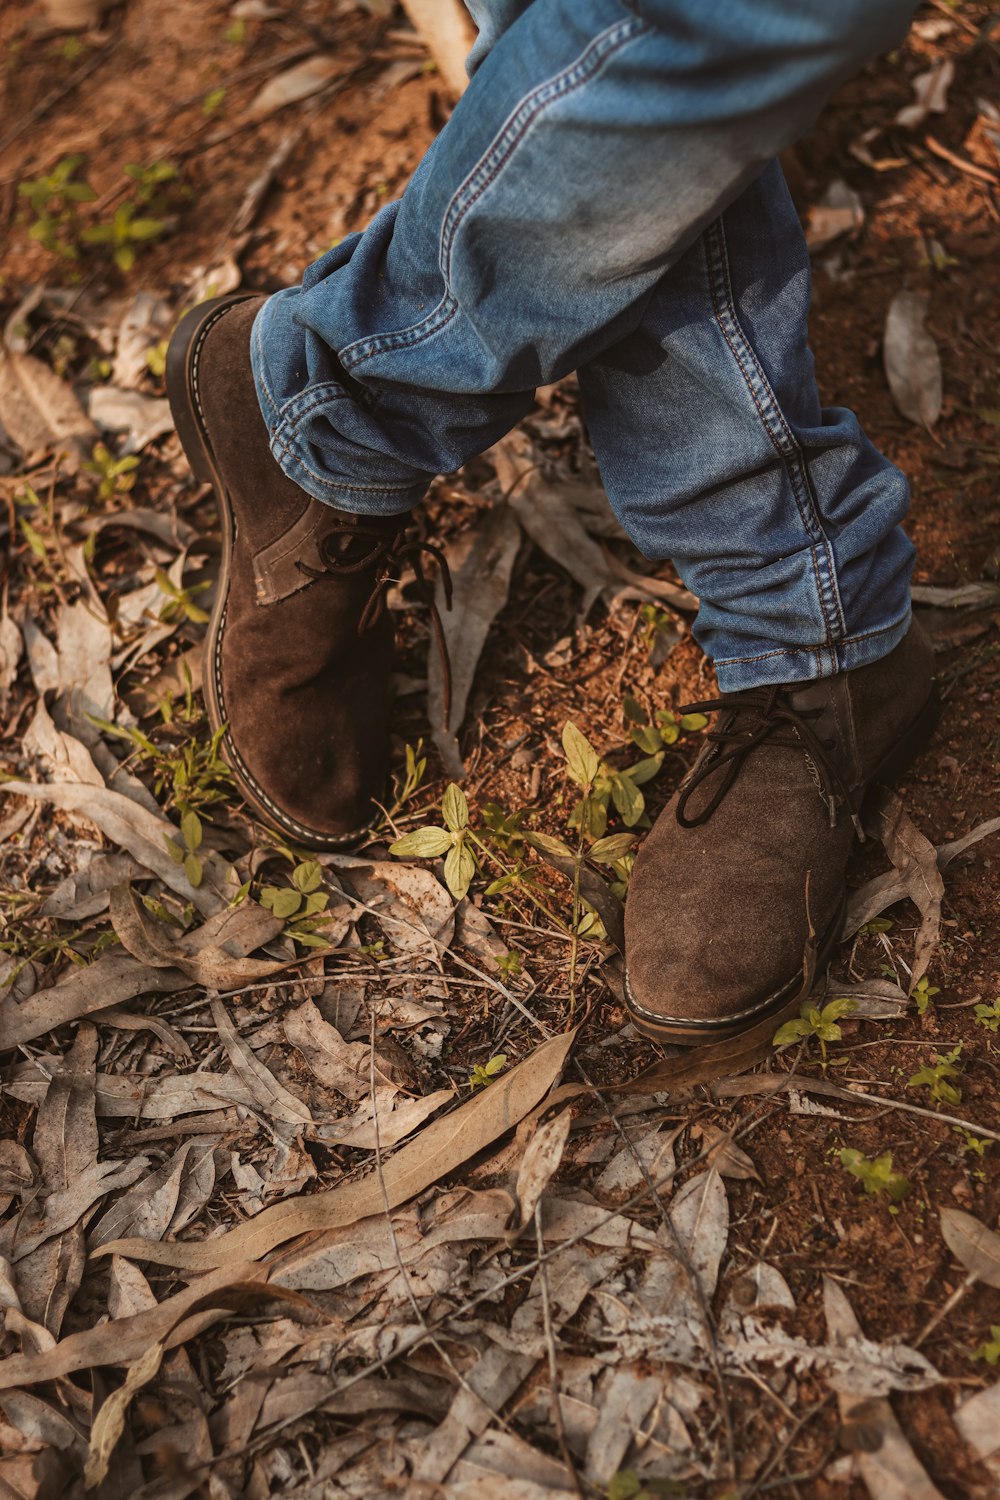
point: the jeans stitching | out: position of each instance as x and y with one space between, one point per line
281 447
771 417
488 168
848 640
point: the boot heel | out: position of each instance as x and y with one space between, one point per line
905 751
182 380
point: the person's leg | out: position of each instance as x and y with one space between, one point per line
596 141
716 452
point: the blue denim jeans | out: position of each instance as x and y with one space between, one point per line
605 199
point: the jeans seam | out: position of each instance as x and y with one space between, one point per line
848 640
260 371
491 163
281 448
774 424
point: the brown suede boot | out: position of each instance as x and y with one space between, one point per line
299 647
716 920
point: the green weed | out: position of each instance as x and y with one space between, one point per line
484 1073
815 1023
55 198
936 1077
877 1175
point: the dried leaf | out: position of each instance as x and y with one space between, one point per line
912 359
344 1067
144 418
11 646
930 94
193 953
438 1149
109 1423
538 1166
838 212
112 980
411 905
86 892
269 1093
139 831
947 852
448 33
971 1242
888 1465
295 83
148 1209
728 1159
964 596
480 585
397 1118
623 1175
123 1340
978 1421
915 875
39 411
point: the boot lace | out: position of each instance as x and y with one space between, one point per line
753 718
387 553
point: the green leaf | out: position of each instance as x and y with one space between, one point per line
422 843
546 844
455 809
607 850
284 902
459 869
792 1031
647 739
308 876
645 770
627 798
633 711
174 850
316 901
191 831
582 759
193 869
124 257
146 229
692 721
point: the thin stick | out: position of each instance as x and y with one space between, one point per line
550 1340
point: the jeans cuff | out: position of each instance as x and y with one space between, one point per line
737 674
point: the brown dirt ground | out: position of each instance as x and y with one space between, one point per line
143 100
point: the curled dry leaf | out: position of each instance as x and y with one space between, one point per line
912 360
971 1242
143 418
915 874
930 94
295 83
113 980
109 1424
480 585
195 953
538 1166
269 1093
728 1159
437 1150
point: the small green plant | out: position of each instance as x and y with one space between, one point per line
408 785
191 776
665 729
156 358
54 199
988 1016
299 904
990 1350
180 603
813 1022
658 633
604 785
509 964
876 1175
236 33
213 101
974 1145
875 927
122 233
627 1485
452 841
117 475
150 182
923 994
186 852
484 1073
936 1077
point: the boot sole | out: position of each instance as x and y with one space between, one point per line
683 1033
183 353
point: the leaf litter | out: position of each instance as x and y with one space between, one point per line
217 1100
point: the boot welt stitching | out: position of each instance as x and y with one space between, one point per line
244 770
718 1022
277 812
